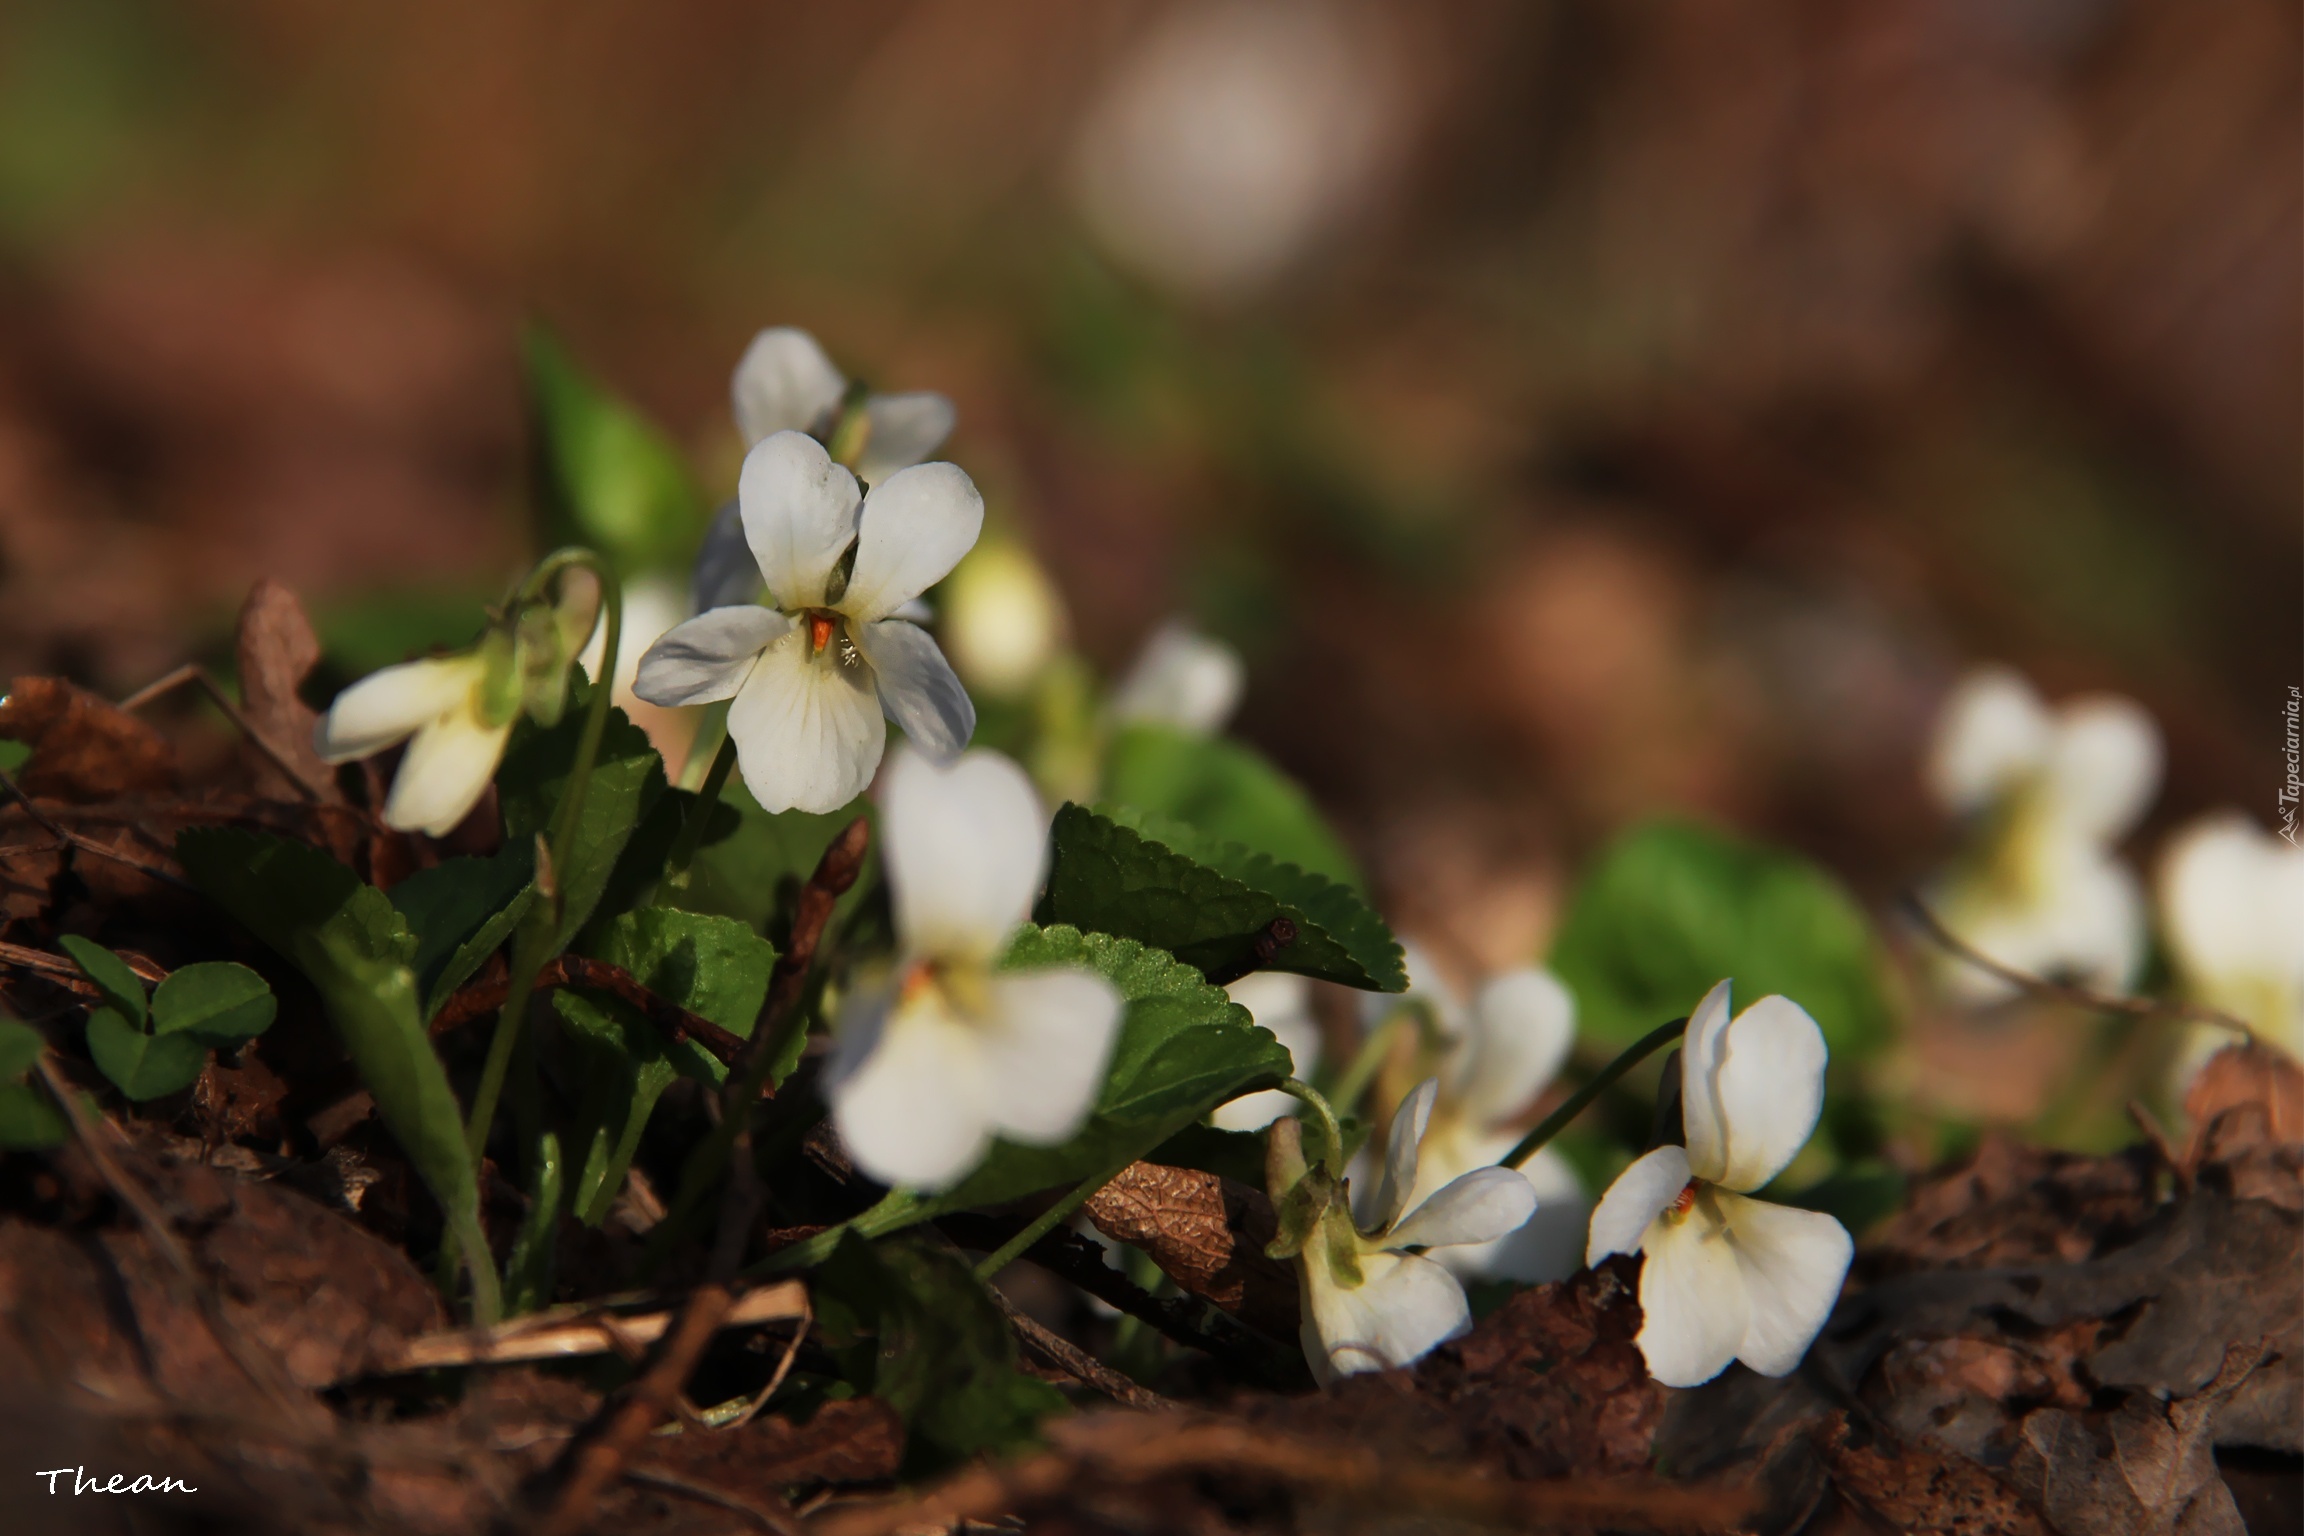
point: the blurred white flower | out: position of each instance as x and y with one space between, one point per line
2046 796
2232 906
1368 1304
785 383
946 1052
1499 1055
653 605
1231 139
810 677
1181 678
1002 618
1728 1277
1282 1003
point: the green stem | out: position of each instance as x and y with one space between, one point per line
1046 1222
540 930
1370 1060
897 1209
691 835
1579 1101
1332 1155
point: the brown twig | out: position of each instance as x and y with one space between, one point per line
481 998
783 1369
705 1493
193 672
1077 1363
835 872
66 972
567 1332
71 839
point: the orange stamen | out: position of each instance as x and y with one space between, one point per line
819 633
1684 1201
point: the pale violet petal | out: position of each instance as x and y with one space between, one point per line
914 528
1522 1025
1046 1042
1404 1307
1620 1223
1992 732
1694 1309
2232 904
2103 765
964 846
1769 1085
709 657
1548 1245
799 512
443 774
1793 1263
1479 1207
908 1091
807 732
1699 1095
1399 1175
784 383
391 705
918 688
905 429
1183 679
725 573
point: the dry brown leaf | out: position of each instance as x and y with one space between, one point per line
2249 1073
84 749
858 1440
1208 1234
276 650
1911 1487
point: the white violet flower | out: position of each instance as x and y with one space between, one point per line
809 677
2232 906
2047 796
946 1052
1282 1002
1369 1304
1003 621
1181 678
1728 1277
1500 1053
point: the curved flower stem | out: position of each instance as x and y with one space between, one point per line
1331 1156
540 932
691 835
1044 1223
1579 1101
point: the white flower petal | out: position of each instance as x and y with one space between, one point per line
709 657
2232 902
1182 679
1522 1026
443 774
2103 765
964 846
1699 1102
1046 1042
654 606
799 512
1548 1245
1640 1193
1769 1086
725 573
908 1093
1404 1306
393 704
784 383
1427 984
905 429
918 689
1280 1001
1479 1207
1793 1262
914 528
1399 1175
808 733
1993 731
1694 1309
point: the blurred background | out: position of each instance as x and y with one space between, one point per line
1571 410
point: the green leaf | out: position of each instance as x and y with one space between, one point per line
1184 1048
350 942
640 867
1671 907
216 1002
14 755
627 778
1208 902
909 1323
122 988
755 870
713 966
28 1122
608 478
1237 1155
1225 790
143 1066
461 910
20 1047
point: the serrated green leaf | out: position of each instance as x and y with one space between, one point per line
461 910
1184 1048
1671 907
754 871
609 479
713 966
1107 877
20 1047
121 987
28 1121
217 1002
143 1066
627 778
909 1323
1225 790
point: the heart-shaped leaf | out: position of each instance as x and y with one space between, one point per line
122 988
627 778
460 910
143 1066
216 1002
1226 791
